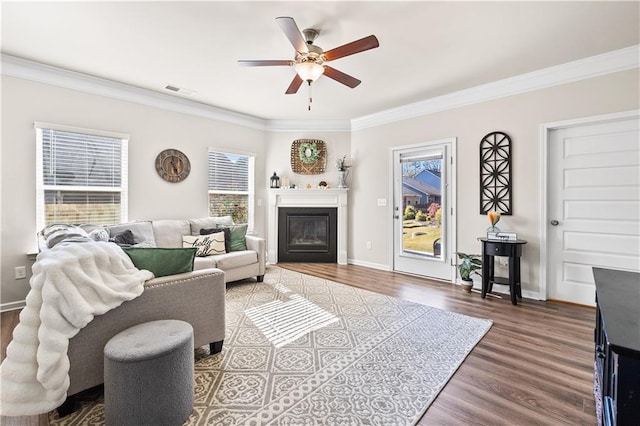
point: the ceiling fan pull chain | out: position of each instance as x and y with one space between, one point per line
310 97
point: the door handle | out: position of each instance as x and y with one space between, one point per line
554 222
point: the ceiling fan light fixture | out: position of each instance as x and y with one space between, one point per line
309 71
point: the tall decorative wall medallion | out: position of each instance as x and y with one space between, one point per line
495 173
308 156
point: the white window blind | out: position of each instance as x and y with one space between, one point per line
81 176
230 183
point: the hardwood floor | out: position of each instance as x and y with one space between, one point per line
535 365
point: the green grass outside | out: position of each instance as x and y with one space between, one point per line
421 243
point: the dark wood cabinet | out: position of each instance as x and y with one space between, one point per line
617 346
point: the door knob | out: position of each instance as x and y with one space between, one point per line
396 217
554 222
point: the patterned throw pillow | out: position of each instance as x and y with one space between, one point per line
54 234
227 236
207 245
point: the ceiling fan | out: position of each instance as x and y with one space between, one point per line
310 60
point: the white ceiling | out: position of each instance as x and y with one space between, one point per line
426 49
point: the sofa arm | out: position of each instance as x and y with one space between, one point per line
258 245
196 297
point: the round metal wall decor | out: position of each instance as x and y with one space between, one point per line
495 174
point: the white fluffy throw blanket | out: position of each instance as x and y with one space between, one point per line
71 283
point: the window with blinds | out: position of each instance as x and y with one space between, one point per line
231 185
81 176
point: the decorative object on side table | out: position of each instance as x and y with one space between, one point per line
494 217
469 264
274 181
308 156
343 171
495 173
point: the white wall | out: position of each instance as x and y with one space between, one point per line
520 117
278 156
151 130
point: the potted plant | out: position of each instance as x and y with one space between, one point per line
469 264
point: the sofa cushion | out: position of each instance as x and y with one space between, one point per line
168 233
205 262
162 261
207 245
236 259
208 222
142 231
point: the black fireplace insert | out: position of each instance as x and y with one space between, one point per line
307 234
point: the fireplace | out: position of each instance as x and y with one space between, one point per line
334 199
307 234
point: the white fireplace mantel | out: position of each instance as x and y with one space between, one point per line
331 197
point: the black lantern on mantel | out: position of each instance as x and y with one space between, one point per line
275 181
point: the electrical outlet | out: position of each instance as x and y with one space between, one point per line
368 245
20 272
259 202
503 261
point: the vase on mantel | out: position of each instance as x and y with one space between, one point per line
342 178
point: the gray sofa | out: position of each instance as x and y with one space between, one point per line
196 297
237 265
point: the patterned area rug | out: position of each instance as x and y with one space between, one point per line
303 350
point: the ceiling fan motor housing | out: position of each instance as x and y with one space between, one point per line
310 35
314 55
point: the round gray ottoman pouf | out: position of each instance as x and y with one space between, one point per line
148 374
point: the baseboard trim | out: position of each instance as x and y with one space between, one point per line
372 265
12 306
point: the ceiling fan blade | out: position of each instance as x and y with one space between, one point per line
265 63
370 42
341 77
290 29
294 86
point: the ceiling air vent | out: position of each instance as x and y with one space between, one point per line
180 90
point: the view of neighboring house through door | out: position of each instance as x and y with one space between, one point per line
592 197
423 209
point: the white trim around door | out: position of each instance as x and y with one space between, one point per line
441 266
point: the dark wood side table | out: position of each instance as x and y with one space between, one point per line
510 249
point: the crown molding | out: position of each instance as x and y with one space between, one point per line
594 66
30 70
309 125
582 69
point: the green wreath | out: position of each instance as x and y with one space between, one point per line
308 152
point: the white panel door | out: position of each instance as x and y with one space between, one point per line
594 206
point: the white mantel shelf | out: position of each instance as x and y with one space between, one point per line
331 197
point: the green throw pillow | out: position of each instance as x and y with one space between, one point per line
162 261
238 234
